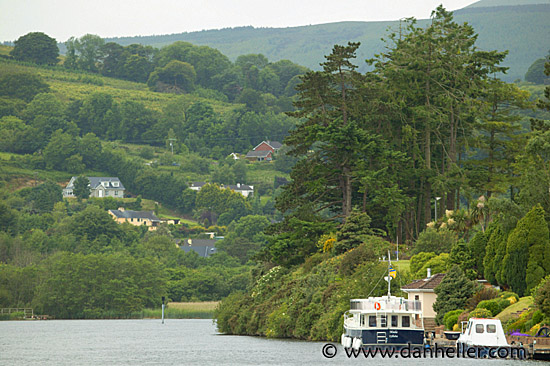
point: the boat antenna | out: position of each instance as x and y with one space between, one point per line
389 277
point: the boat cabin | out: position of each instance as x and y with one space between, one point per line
483 332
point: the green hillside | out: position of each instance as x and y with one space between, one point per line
70 85
521 29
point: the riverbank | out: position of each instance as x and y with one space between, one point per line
173 310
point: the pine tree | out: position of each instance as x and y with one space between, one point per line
527 253
477 247
453 292
81 187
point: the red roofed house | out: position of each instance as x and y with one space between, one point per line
264 151
273 146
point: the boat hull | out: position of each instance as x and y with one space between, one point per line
383 338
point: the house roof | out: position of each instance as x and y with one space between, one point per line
425 284
96 181
258 153
197 184
274 144
197 242
240 187
129 214
204 247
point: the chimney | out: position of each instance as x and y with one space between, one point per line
429 272
121 209
239 185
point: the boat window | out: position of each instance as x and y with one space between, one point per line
405 321
491 328
383 321
479 328
394 320
372 321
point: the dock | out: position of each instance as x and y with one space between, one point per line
28 313
536 348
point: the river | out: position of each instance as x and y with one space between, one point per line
177 342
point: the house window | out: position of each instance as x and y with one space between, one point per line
116 193
115 184
405 321
416 297
372 321
479 328
394 320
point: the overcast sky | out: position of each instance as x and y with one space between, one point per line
62 19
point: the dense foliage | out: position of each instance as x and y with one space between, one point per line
428 148
36 47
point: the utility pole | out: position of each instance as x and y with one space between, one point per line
171 142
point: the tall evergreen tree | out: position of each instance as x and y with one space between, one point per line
453 292
527 260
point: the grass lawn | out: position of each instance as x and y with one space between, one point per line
194 306
402 265
184 310
523 303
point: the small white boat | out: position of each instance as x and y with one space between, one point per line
485 338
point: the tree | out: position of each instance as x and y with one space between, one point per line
527 260
452 293
176 77
435 240
246 239
535 73
477 246
22 85
99 114
81 187
89 48
84 53
36 47
542 296
60 148
462 256
45 196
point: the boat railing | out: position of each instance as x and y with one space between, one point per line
381 304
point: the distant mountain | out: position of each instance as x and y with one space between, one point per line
521 27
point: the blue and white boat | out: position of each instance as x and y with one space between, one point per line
386 322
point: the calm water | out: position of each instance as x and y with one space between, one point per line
177 342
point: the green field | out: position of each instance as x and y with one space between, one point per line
69 85
184 310
523 303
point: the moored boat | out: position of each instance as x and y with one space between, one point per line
485 338
383 322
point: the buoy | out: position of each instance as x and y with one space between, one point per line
347 342
377 305
357 343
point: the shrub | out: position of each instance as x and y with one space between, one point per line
480 313
451 318
491 305
537 317
355 257
510 296
486 293
541 295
